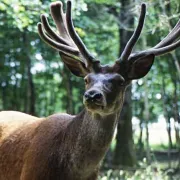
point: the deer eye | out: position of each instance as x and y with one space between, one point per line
86 81
120 82
108 86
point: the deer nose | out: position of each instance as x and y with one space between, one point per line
92 95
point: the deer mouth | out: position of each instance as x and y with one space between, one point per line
94 105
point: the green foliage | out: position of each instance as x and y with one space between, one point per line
102 1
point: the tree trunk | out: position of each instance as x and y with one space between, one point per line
69 96
30 85
146 118
4 96
124 154
168 122
124 150
31 91
176 114
140 140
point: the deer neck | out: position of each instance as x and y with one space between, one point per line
93 137
97 129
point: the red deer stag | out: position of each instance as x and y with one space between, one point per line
68 147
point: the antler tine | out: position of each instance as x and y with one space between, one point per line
50 32
163 50
167 44
171 37
82 48
57 46
56 9
129 46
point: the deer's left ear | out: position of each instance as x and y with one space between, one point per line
140 67
76 67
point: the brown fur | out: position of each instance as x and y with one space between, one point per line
57 147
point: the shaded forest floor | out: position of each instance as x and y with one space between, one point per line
164 166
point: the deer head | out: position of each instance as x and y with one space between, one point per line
105 85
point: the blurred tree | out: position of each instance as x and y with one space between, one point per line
124 150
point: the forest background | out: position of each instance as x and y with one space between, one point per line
34 80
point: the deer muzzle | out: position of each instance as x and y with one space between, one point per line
93 99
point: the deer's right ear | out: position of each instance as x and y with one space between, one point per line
140 67
75 66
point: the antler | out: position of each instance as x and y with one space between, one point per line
171 37
68 43
129 46
165 46
71 47
168 43
84 51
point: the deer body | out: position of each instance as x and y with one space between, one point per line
57 147
69 147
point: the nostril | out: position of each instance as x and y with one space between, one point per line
86 95
92 95
98 96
